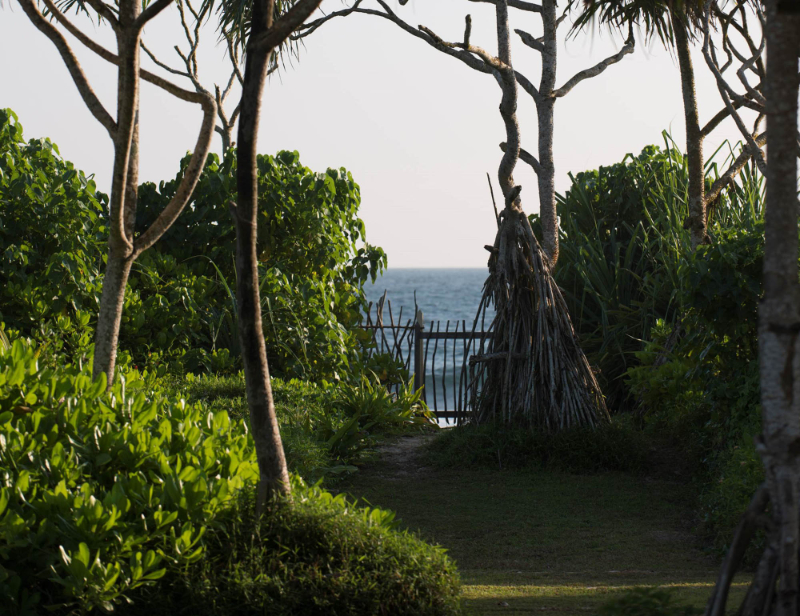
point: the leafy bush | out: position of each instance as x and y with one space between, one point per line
707 394
326 427
612 447
647 602
317 554
313 263
102 492
624 253
53 236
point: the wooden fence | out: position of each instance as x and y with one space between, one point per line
444 369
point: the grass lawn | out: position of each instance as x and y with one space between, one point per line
531 542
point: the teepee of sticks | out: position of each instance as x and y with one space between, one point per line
531 371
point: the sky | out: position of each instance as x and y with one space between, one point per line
418 129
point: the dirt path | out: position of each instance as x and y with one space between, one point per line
528 541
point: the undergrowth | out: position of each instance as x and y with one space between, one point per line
613 447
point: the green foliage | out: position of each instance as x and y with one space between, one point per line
626 260
313 264
612 447
316 554
102 492
52 234
647 602
706 395
326 428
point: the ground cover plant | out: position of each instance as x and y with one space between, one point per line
104 493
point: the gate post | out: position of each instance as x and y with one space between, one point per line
419 376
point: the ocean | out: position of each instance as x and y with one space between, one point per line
442 295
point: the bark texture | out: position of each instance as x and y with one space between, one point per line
774 589
694 136
263 420
532 371
265 34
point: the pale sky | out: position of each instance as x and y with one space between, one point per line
417 129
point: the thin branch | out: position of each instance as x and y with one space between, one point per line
595 70
152 10
73 66
526 157
530 40
735 168
166 67
188 182
726 91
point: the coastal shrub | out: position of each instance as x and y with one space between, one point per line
104 494
314 555
100 492
313 255
326 428
706 396
613 447
625 256
179 307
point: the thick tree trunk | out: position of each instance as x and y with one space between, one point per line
775 587
779 315
263 420
544 110
694 137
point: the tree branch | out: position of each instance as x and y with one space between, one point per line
526 157
735 168
595 70
152 10
188 183
530 40
284 26
73 66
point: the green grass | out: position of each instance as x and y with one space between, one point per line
530 540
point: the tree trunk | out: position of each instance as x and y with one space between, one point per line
694 138
779 315
118 269
544 111
123 199
775 586
263 420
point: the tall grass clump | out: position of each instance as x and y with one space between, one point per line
626 256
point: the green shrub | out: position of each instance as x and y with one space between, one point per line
326 428
647 602
316 554
613 447
312 255
102 492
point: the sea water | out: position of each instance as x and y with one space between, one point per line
442 295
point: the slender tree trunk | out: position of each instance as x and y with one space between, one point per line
123 200
106 339
544 110
263 420
779 315
694 138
